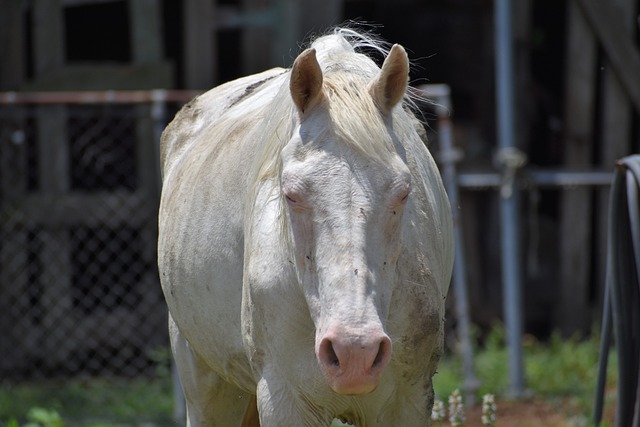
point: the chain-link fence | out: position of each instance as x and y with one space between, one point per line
79 190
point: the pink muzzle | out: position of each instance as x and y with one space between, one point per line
352 363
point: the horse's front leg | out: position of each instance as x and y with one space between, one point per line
280 405
211 401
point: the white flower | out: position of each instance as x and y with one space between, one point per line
488 410
456 409
437 413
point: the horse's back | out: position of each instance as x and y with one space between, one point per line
204 112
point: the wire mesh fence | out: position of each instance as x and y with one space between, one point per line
79 190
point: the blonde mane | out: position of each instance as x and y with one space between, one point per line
353 116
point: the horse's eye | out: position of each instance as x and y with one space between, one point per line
402 196
290 199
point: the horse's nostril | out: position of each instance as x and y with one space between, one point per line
328 354
378 358
383 350
332 357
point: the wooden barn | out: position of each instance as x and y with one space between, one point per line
79 180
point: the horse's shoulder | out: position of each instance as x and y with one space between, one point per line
207 109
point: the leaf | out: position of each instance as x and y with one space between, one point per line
44 417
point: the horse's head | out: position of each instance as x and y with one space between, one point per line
345 188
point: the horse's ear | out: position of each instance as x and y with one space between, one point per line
306 80
389 86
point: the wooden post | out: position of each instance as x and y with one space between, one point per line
256 41
616 134
575 224
146 31
14 252
14 278
286 32
55 249
146 37
200 51
11 39
622 52
48 37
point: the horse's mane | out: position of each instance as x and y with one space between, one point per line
353 116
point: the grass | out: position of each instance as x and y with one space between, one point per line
92 402
560 371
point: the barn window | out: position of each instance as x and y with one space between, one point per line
97 32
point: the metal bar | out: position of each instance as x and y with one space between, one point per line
449 156
98 97
489 180
509 237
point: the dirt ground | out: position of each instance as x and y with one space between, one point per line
520 414
530 413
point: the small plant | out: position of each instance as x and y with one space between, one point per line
456 409
488 410
39 417
437 413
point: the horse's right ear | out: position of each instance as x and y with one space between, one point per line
306 80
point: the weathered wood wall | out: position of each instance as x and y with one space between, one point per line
602 96
269 35
44 215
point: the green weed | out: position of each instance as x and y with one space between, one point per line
557 370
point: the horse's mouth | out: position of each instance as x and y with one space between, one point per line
346 419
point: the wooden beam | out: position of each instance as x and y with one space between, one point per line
200 53
99 97
68 3
48 54
616 128
14 289
12 54
256 41
146 31
575 221
286 33
607 23
73 209
104 77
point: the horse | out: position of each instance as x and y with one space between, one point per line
305 244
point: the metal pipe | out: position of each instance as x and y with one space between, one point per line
546 178
509 238
98 97
448 157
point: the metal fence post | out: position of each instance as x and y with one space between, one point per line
448 156
511 161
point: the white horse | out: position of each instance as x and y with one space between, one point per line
305 245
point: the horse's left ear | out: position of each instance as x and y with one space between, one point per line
306 80
389 86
